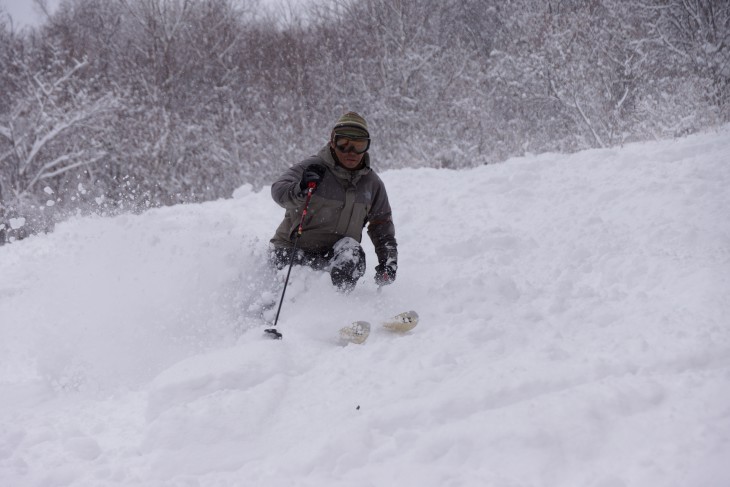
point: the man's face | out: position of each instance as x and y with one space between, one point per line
350 150
349 160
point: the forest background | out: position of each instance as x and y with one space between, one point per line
122 105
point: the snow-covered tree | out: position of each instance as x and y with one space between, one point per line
52 126
694 39
154 102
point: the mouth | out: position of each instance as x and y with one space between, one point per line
351 159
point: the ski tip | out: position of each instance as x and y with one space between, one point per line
356 333
402 323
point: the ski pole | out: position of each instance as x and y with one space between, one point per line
311 187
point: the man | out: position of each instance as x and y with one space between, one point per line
347 195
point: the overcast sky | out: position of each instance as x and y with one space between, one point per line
25 12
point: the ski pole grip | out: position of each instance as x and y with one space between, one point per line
312 185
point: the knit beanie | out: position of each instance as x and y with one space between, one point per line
351 124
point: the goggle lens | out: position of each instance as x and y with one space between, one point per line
347 144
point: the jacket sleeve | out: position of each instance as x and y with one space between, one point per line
381 229
285 190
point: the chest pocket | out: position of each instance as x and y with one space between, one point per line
346 214
322 213
353 216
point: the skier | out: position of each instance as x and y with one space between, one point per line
348 195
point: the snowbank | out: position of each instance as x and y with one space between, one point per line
574 332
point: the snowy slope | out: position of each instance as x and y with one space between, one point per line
574 331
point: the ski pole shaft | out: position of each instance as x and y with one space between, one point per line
311 187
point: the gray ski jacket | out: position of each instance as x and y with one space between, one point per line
344 202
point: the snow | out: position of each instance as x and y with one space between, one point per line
574 332
16 223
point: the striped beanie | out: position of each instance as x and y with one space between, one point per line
351 124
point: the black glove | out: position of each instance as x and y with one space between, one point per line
312 174
385 273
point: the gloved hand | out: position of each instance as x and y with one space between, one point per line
312 174
385 273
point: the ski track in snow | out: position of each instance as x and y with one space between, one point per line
574 332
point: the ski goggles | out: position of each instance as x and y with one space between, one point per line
347 143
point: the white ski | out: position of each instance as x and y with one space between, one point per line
359 331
